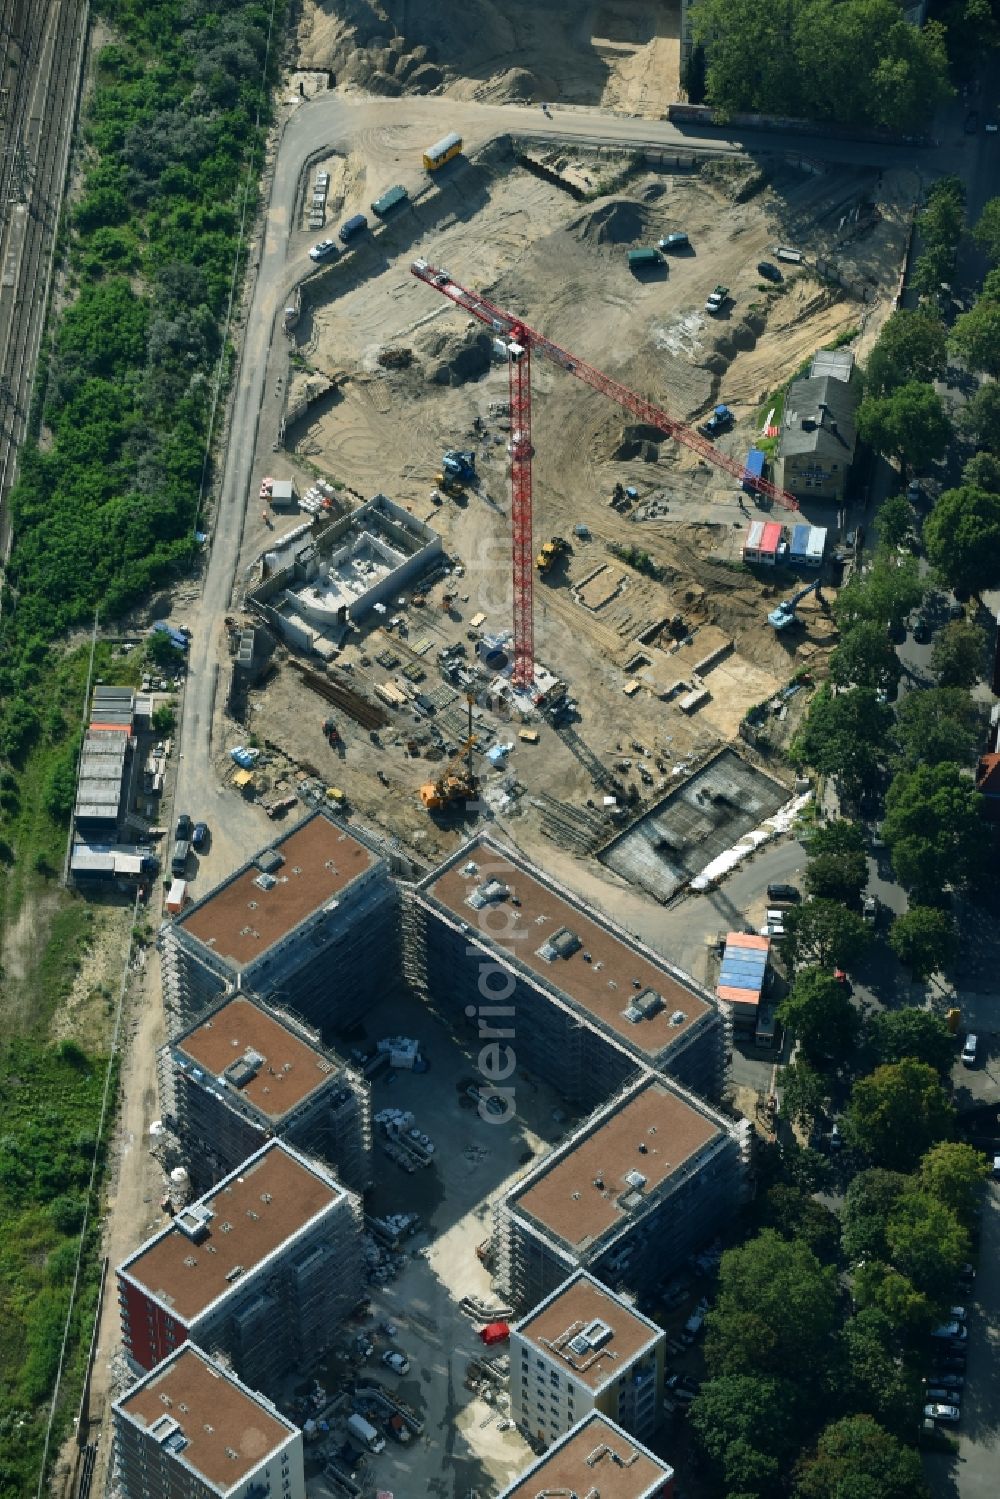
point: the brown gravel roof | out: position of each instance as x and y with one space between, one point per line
291 1070
582 1463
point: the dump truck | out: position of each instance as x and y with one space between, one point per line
717 299
551 551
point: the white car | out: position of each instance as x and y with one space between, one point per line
950 1415
397 1362
323 250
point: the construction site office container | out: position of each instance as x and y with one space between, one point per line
446 149
799 549
769 543
816 546
751 547
754 470
390 199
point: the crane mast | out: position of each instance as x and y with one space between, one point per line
522 341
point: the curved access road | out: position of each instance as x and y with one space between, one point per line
390 134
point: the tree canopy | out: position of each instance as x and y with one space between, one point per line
937 724
954 1173
962 536
910 423
927 1244
935 831
856 1458
818 1010
925 939
824 933
869 1201
911 346
875 1380
893 521
986 232
959 655
803 1093
845 734
975 336
886 593
856 62
746 1425
897 1113
838 867
910 1032
775 1311
981 418
865 657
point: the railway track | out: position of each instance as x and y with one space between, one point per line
44 38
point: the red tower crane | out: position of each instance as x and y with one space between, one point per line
521 341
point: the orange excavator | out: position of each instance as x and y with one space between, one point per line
457 782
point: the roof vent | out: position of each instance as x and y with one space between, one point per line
678 1017
635 1179
264 882
234 1274
269 860
193 1221
484 895
562 944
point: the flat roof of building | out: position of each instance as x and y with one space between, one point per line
229 1042
578 1192
595 1456
554 1326
227 1431
607 972
253 1211
240 919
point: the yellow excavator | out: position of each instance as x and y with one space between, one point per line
552 550
457 781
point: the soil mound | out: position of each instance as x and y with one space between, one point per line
454 358
619 222
639 441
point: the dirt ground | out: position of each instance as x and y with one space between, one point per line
621 54
561 265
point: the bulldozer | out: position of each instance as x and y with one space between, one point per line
552 550
457 782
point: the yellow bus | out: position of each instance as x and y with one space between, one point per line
444 150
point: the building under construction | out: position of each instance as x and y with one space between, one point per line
643 1183
192 1430
311 922
493 941
599 1461
246 1073
264 1269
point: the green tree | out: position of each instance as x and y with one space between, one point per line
893 521
792 1212
927 1244
981 417
163 653
838 866
987 230
164 719
925 939
935 831
895 1034
856 1458
889 591
874 1380
868 1203
845 735
975 336
803 1094
746 1427
823 932
909 424
982 472
865 658
897 1113
818 1010
954 1173
912 346
962 536
941 226
882 1288
937 724
959 655
775 1312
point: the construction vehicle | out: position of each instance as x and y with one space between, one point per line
330 732
552 550
784 614
461 466
450 484
457 781
720 421
521 342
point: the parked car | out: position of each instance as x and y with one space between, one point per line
952 1332
953 1397
949 1415
969 1050
958 1313
675 241
784 895
397 1362
323 250
948 1381
869 909
199 837
950 1363
921 630
184 826
768 271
